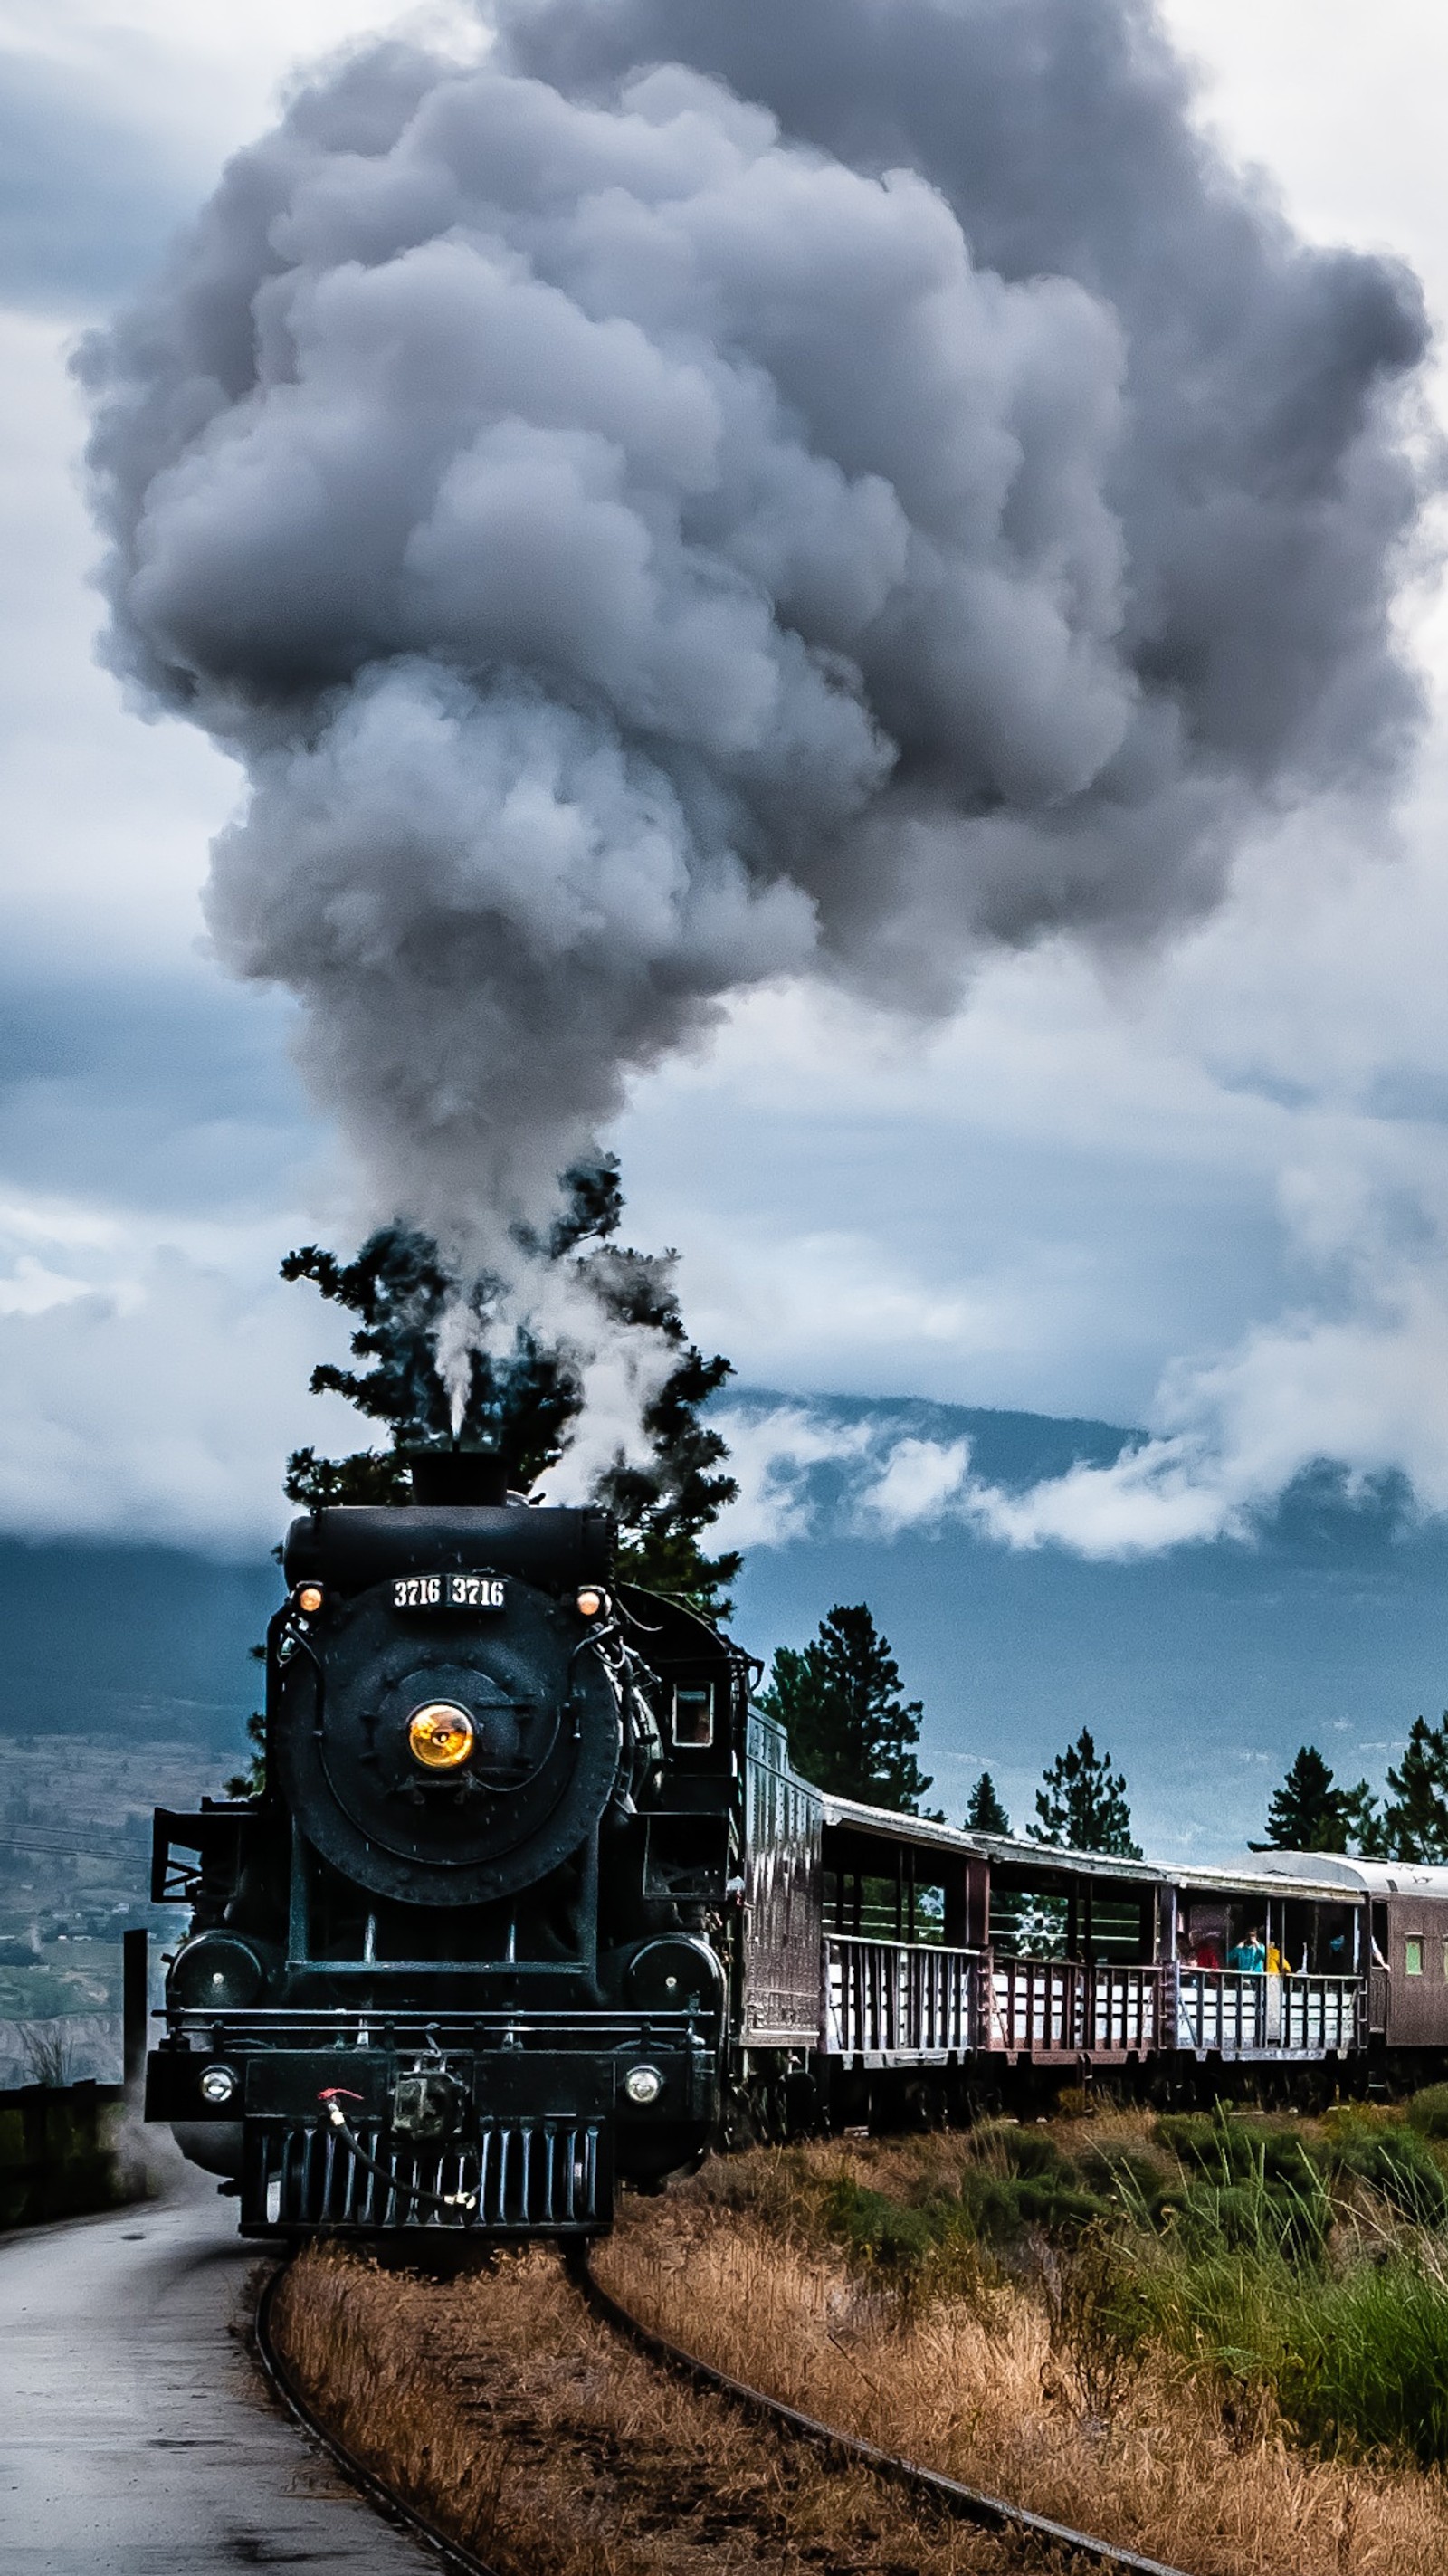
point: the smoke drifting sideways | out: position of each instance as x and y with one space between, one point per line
710 495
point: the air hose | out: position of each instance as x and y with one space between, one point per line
410 2191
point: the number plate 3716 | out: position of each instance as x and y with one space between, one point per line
448 1592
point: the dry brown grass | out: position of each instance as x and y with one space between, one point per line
976 2385
498 2408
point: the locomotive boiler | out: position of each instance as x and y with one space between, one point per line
463 1965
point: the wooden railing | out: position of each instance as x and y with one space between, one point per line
1053 2009
1243 2015
1050 2008
916 2002
897 1999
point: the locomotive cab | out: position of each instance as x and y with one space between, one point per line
460 1965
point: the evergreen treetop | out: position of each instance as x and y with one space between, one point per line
1312 1812
1081 1802
839 1701
1366 1831
440 1370
985 1814
1415 1811
1308 1812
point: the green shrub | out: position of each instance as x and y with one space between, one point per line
990 2207
870 2225
1428 2112
1207 2245
1357 2362
1033 2151
1396 2163
1143 2183
1365 2363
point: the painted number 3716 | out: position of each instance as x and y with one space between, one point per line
448 1592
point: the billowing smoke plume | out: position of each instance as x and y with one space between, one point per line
795 487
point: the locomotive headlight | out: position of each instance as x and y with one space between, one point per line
217 2086
592 1603
440 1735
643 2084
309 1597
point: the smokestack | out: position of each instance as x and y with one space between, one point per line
446 1479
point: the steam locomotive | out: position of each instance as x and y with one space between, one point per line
534 1903
464 1963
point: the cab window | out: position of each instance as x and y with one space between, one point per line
694 1713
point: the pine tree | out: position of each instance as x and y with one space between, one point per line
1366 1831
1415 1812
985 1813
1082 1802
839 1700
1308 1813
412 1311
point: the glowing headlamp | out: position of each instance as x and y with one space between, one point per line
440 1735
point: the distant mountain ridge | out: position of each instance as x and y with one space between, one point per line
1202 1669
106 1639
1010 1449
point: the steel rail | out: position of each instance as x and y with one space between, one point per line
451 2554
968 2504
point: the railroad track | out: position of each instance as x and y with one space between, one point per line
949 2496
449 2553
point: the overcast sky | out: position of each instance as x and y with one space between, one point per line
1209 1197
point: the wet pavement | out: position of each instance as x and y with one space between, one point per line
136 2438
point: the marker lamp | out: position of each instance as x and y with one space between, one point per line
592 1602
440 1735
218 2085
309 1597
643 2084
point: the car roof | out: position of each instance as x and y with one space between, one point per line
1321 1875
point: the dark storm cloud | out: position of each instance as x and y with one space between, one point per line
643 540
1259 485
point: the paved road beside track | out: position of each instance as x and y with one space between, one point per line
135 2439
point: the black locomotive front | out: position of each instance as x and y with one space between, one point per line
462 1964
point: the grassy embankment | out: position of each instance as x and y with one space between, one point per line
1223 2341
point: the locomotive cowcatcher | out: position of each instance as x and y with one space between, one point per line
463 1964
